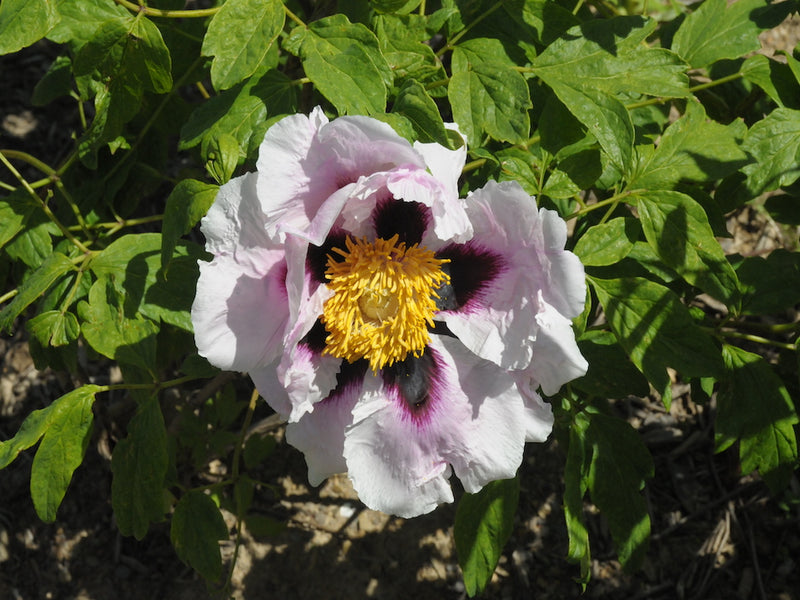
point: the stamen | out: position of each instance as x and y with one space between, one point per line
384 300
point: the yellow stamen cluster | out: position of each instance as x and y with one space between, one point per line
384 300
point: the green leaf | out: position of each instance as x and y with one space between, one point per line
197 527
57 82
607 243
131 51
401 42
770 285
576 473
677 229
133 264
608 56
774 143
37 284
139 465
693 148
37 423
611 374
54 328
718 30
344 62
129 57
33 245
80 19
656 331
483 524
239 37
222 153
242 112
61 450
754 407
15 211
109 332
620 465
23 22
186 205
414 103
777 79
487 94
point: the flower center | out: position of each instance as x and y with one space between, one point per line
384 299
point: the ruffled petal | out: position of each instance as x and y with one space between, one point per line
306 373
556 356
292 184
538 413
499 323
239 320
270 388
234 226
320 434
411 425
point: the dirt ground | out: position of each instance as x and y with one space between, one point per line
717 535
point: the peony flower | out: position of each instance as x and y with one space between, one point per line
403 332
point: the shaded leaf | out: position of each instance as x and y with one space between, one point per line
657 331
677 228
197 527
770 285
754 407
483 525
414 103
34 286
133 264
139 465
693 148
188 202
619 466
242 112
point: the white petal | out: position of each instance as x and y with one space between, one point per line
474 420
240 320
556 356
234 226
269 387
538 413
319 435
445 164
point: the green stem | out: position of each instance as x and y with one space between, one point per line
616 198
451 43
293 16
692 90
117 225
155 386
32 193
168 14
31 160
750 338
248 418
8 295
472 166
577 7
